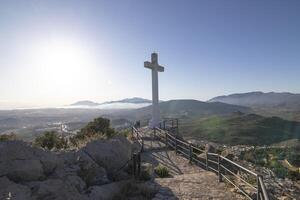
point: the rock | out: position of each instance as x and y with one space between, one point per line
23 170
210 148
21 162
49 160
55 189
77 182
112 154
106 192
11 190
63 172
100 177
94 175
227 153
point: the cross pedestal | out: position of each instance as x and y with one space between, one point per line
155 68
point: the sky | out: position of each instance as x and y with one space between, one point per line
54 53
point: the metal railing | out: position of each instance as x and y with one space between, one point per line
136 156
137 136
247 182
169 124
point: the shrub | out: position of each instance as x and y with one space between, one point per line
136 190
145 174
50 140
161 171
99 128
6 137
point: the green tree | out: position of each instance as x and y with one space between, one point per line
99 126
50 140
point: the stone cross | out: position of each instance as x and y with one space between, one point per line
155 67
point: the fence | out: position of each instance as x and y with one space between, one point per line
243 179
136 156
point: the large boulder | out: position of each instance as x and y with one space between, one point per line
22 162
55 189
23 170
11 190
107 191
111 154
81 164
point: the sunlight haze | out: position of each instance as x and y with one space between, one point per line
55 53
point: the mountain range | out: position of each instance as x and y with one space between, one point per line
261 99
187 108
134 100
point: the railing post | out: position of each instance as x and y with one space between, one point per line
164 125
191 152
177 129
166 139
219 169
138 164
134 164
206 160
176 144
258 187
142 149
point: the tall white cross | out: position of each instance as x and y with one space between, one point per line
155 67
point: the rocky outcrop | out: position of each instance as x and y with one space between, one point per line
11 190
27 172
106 192
21 162
55 189
110 158
210 147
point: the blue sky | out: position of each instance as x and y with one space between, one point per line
57 52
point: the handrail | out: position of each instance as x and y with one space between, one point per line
261 191
239 166
263 188
138 137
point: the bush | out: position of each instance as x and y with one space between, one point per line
51 140
99 128
136 190
161 171
6 137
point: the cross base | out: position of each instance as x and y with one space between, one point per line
154 123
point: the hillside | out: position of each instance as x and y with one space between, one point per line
284 105
186 108
241 128
260 99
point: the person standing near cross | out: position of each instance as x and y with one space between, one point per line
155 67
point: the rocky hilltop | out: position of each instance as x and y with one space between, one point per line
91 172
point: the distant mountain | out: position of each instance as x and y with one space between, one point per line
85 103
250 129
135 100
128 103
260 99
189 108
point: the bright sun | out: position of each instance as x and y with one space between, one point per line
61 63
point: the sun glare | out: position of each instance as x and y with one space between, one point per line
61 64
62 61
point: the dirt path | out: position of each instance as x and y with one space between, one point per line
187 181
